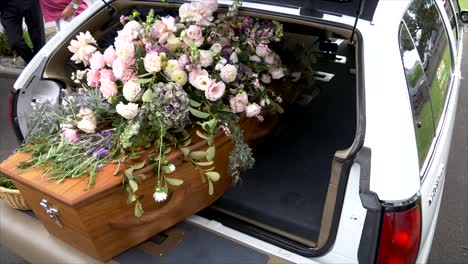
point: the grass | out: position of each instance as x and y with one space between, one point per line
5 49
463 4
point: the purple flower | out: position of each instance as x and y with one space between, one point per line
101 153
100 166
106 133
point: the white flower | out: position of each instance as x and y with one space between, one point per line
159 195
132 28
206 58
216 48
202 82
277 73
152 62
81 48
88 121
296 76
265 78
228 73
252 110
233 58
179 76
128 111
131 91
125 50
255 58
173 42
172 65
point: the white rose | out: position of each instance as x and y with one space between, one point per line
172 65
173 42
152 62
131 91
128 111
252 110
179 76
255 58
88 122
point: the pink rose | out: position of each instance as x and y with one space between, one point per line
110 56
163 29
262 50
215 91
70 135
252 110
195 34
212 5
107 74
200 14
97 61
92 78
108 88
239 102
119 67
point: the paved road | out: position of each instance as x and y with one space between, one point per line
451 239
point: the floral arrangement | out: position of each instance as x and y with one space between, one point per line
161 76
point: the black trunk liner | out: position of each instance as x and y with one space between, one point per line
287 187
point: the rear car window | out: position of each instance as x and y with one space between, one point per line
428 73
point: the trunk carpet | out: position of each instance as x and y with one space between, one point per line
287 187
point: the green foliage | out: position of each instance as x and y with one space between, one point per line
6 50
463 5
241 158
6 182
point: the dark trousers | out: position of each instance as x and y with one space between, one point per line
13 12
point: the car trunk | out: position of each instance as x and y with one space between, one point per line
293 195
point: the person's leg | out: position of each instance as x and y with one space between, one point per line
35 23
12 21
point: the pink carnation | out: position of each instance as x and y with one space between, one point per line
262 50
97 61
106 74
184 60
163 29
92 78
70 135
129 74
239 102
215 91
108 88
110 56
119 67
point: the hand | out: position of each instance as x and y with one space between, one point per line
68 12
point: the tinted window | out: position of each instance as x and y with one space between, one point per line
451 16
429 37
419 94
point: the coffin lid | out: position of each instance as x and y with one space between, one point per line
339 7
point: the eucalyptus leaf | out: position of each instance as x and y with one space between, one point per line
197 155
213 175
198 113
204 163
170 168
210 124
202 135
173 181
210 153
133 185
129 173
139 165
140 176
210 187
185 151
142 81
138 209
147 96
168 150
131 198
194 103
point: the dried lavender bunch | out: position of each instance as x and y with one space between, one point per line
241 158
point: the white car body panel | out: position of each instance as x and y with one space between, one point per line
395 173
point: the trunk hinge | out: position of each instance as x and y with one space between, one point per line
358 14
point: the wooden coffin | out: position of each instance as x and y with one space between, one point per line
99 221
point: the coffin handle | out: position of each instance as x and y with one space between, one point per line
168 211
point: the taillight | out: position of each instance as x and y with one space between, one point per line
400 236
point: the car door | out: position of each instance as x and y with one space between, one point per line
429 27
